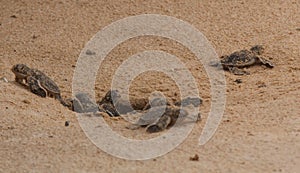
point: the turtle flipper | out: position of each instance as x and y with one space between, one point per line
35 87
109 109
237 71
160 125
265 62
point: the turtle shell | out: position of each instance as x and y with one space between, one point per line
152 115
46 82
239 59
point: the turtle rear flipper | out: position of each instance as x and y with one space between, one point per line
237 71
160 125
35 87
266 62
109 109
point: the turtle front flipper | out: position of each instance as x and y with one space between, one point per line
19 80
237 71
265 62
35 87
109 109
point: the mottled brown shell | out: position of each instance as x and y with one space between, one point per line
45 81
241 58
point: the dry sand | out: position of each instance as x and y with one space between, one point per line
260 130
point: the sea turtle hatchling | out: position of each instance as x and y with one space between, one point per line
38 82
178 112
244 58
168 119
159 118
83 103
113 104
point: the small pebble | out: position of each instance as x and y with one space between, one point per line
10 127
227 121
89 52
195 158
67 123
26 101
13 16
3 79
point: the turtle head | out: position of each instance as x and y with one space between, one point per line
257 49
21 69
111 96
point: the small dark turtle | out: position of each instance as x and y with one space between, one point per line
123 106
168 119
160 118
109 109
156 118
83 103
106 104
38 82
152 115
244 58
179 111
162 124
110 97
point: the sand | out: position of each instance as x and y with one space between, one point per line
260 129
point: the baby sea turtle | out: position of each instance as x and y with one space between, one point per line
168 119
244 58
82 103
38 82
161 117
113 104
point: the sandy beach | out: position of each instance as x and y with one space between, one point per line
260 127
